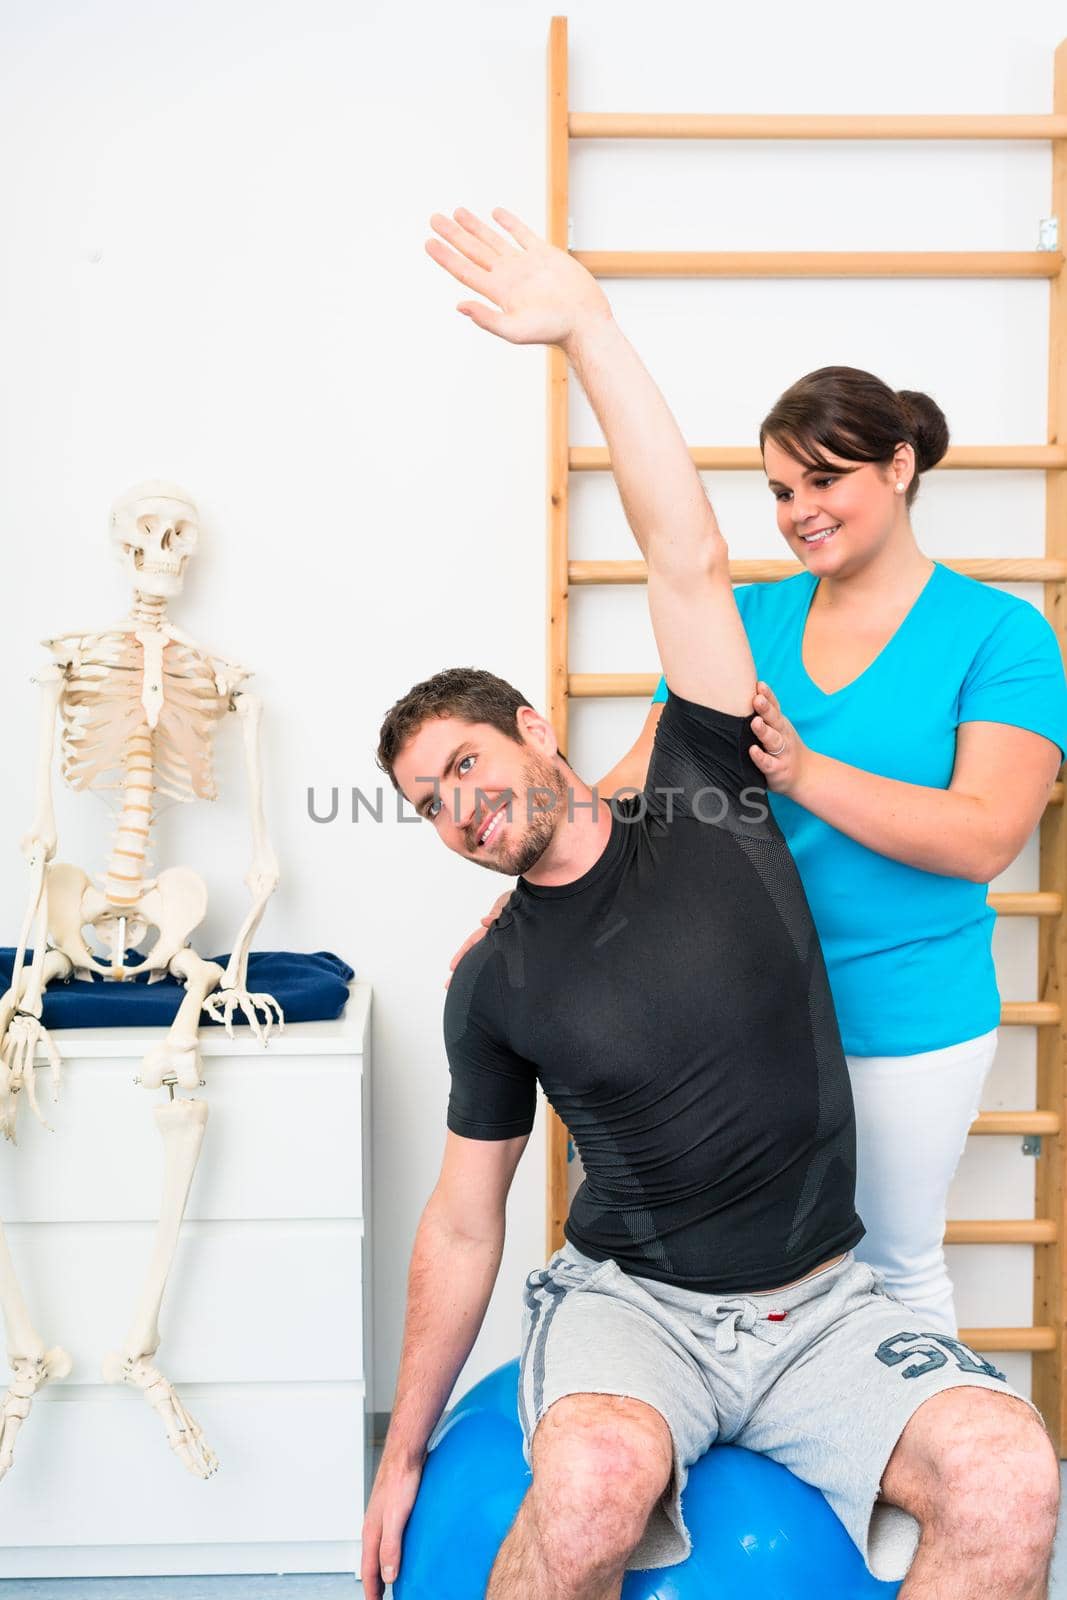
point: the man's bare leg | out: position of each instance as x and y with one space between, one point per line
978 1471
600 1464
520 1568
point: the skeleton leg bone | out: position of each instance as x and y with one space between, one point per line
32 1364
20 1032
181 1123
178 1056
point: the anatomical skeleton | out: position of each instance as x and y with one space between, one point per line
138 705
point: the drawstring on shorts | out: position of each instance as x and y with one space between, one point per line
730 1315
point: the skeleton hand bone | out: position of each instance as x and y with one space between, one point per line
228 1000
18 1049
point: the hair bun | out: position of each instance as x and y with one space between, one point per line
927 421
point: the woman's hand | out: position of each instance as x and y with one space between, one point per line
479 933
781 753
544 296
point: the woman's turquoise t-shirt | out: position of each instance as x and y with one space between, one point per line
908 952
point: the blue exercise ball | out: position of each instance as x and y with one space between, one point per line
757 1530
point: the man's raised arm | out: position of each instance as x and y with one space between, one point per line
541 295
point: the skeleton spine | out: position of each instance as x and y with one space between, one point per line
126 867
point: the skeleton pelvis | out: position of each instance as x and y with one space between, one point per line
174 905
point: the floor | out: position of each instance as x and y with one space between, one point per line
309 1586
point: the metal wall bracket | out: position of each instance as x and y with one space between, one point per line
1032 1144
1048 233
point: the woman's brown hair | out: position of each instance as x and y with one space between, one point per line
855 416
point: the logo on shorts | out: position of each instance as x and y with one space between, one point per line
936 1348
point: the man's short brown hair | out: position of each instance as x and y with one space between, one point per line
464 692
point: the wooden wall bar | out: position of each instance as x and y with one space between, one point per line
1047 1230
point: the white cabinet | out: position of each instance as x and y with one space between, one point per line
265 1325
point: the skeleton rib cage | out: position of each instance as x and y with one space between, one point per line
141 724
104 719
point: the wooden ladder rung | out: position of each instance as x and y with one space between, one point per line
1025 569
821 263
611 685
1006 1340
699 125
994 1122
1017 1230
747 458
1030 1013
1040 903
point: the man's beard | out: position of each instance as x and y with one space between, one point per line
544 786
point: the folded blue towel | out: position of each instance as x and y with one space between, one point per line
308 987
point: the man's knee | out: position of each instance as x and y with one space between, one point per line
600 1463
978 1468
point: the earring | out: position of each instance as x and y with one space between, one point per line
900 488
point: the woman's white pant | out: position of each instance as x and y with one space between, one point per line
912 1117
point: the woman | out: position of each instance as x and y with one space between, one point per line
927 722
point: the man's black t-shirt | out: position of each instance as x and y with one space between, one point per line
674 1005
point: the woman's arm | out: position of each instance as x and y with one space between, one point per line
973 829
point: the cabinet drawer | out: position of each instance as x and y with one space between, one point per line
96 1469
283 1139
246 1302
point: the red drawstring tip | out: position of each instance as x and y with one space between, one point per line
777 1316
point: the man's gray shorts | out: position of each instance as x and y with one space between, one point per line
827 1389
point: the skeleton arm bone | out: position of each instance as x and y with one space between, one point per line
39 845
262 875
50 679
262 880
21 1029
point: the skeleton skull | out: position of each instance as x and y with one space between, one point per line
155 528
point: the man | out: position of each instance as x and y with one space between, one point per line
657 971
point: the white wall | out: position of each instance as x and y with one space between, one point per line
213 271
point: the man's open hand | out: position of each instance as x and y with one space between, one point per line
388 1511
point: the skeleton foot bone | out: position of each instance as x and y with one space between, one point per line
31 1362
181 1123
31 1374
184 1434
